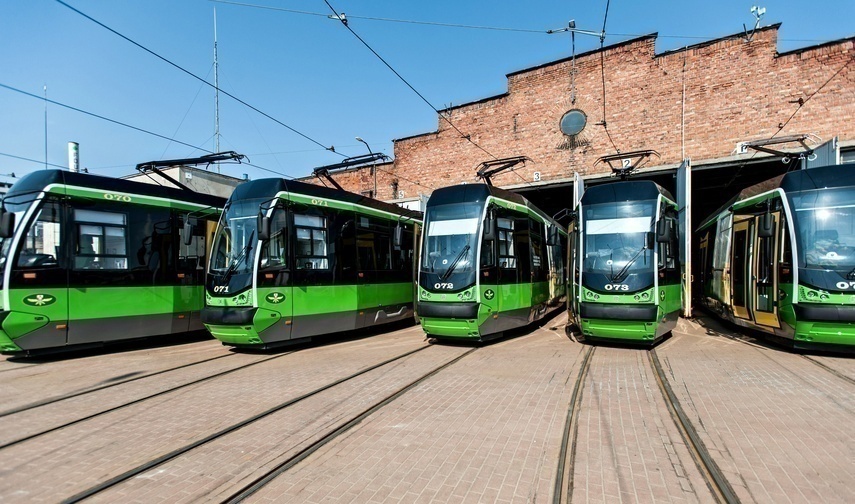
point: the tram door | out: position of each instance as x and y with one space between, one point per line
739 269
765 274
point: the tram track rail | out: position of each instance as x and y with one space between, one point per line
808 358
721 489
563 493
178 452
63 397
140 399
260 482
829 369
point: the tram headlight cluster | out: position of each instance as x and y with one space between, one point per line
591 295
807 294
465 295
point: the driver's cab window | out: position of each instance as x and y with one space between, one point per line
42 243
274 254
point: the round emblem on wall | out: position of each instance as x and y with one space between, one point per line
573 122
489 294
39 300
275 297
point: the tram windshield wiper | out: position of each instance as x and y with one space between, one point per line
454 263
238 258
625 270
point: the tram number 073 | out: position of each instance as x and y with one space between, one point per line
617 287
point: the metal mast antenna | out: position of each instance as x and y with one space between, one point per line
216 93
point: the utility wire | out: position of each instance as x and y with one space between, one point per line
462 135
404 178
41 98
31 160
277 121
803 102
785 123
491 28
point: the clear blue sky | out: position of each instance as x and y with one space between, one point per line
305 70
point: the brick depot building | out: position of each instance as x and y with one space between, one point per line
699 102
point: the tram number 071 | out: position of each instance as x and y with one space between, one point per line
617 287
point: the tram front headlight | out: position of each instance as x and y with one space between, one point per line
645 295
811 294
589 295
824 296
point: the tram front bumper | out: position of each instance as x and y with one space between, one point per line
619 322
451 320
237 325
818 325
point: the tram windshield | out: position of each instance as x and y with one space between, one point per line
615 238
19 209
450 238
825 226
235 242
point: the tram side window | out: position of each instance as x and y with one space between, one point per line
668 250
275 254
539 262
41 246
311 246
101 240
507 255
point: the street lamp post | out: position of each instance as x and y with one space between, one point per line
373 167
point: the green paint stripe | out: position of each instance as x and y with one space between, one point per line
122 197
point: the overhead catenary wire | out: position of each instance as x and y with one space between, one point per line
442 116
465 136
781 126
53 102
141 130
179 67
489 28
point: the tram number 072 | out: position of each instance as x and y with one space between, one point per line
617 287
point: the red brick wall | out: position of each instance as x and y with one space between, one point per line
734 91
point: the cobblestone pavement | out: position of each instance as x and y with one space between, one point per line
778 425
65 462
487 429
629 449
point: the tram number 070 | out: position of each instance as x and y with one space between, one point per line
617 287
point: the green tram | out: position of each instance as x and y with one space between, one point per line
292 260
780 258
490 262
625 263
88 260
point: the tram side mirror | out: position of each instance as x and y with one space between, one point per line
649 240
398 237
263 225
188 229
765 226
552 236
490 226
7 223
664 231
